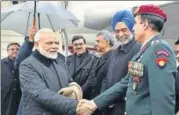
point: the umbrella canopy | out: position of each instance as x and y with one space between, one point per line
19 17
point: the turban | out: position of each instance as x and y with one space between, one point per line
123 16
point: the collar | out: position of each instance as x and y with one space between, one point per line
7 59
83 54
42 58
147 41
107 54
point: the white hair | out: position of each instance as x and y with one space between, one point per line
107 36
37 35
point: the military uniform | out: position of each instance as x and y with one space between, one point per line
150 82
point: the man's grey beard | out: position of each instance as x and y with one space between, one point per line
122 42
46 54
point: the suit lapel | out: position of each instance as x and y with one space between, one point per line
100 63
71 66
58 73
103 59
84 62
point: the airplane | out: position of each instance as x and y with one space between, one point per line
96 15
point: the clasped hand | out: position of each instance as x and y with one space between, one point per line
85 107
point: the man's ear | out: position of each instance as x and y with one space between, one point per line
146 25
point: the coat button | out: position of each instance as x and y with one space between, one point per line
125 98
125 113
15 79
14 89
12 71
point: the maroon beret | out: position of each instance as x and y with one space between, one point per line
151 10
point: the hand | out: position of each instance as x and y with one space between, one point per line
66 91
85 107
32 31
77 90
73 91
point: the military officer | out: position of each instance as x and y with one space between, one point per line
149 85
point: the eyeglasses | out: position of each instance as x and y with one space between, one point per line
13 49
79 44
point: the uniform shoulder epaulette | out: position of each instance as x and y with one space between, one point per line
155 42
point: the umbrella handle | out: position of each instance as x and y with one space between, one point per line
34 19
34 22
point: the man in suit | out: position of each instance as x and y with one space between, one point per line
10 89
149 85
104 43
81 65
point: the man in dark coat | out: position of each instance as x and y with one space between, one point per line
127 47
149 85
10 89
81 65
104 43
42 75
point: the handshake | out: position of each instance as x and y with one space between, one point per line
85 107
